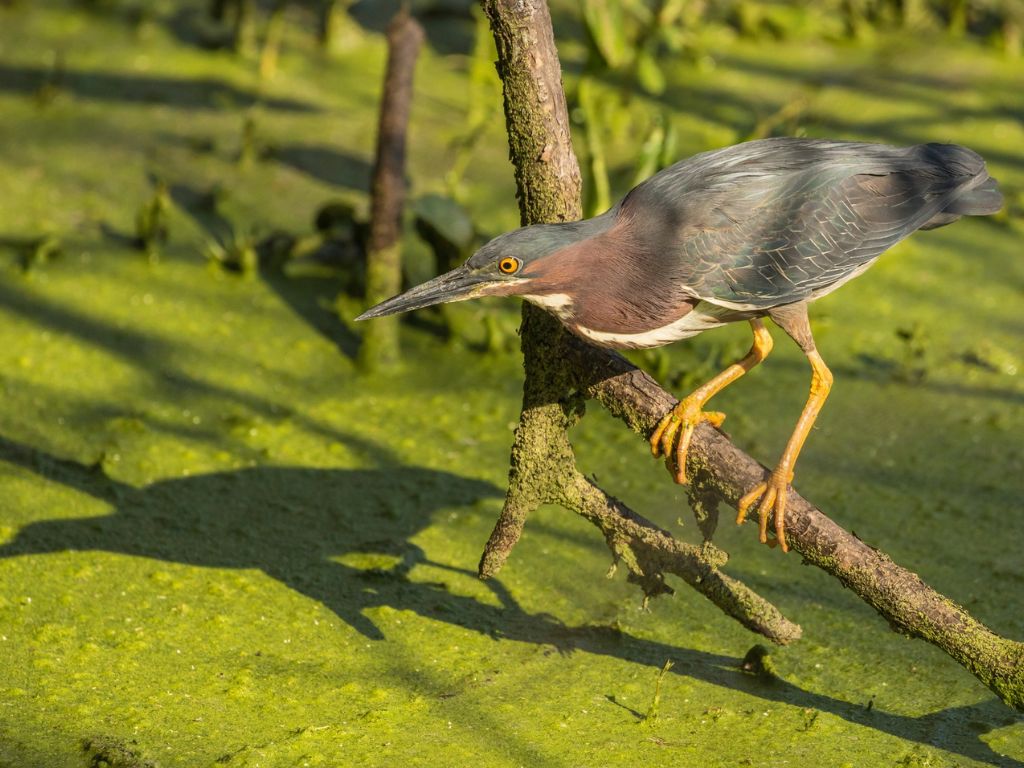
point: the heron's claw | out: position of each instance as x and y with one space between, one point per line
675 431
772 494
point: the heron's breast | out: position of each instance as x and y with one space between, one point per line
697 317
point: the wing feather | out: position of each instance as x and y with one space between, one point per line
784 220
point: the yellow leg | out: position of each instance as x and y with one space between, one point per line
773 492
688 412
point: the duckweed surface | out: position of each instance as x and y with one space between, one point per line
221 546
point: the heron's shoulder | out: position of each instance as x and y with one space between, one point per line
717 188
762 162
768 159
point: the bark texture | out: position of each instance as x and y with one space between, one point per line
562 372
383 260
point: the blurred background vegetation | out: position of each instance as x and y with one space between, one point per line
633 109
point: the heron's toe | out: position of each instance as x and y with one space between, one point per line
672 437
666 427
772 495
714 418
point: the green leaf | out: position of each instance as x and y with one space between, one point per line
649 73
447 218
606 26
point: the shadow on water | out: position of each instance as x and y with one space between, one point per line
190 93
327 164
292 523
311 298
155 357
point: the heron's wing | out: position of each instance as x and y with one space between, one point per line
764 235
807 238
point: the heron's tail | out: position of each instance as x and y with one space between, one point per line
978 195
983 200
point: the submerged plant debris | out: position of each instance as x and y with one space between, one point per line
221 546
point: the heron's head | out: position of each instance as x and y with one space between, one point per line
509 265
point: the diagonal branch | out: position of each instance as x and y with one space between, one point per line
900 596
654 552
544 472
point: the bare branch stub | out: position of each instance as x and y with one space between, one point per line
405 38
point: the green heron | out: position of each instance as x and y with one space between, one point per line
757 230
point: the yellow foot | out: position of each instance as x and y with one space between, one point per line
676 427
773 504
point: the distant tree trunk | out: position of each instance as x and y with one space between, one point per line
561 371
384 262
958 10
245 27
1013 34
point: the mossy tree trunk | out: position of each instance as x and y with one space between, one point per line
561 371
384 251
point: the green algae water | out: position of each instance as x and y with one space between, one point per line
220 546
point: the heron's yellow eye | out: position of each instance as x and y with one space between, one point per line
508 265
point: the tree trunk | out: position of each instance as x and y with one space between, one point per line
384 254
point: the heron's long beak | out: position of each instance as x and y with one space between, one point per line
457 285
